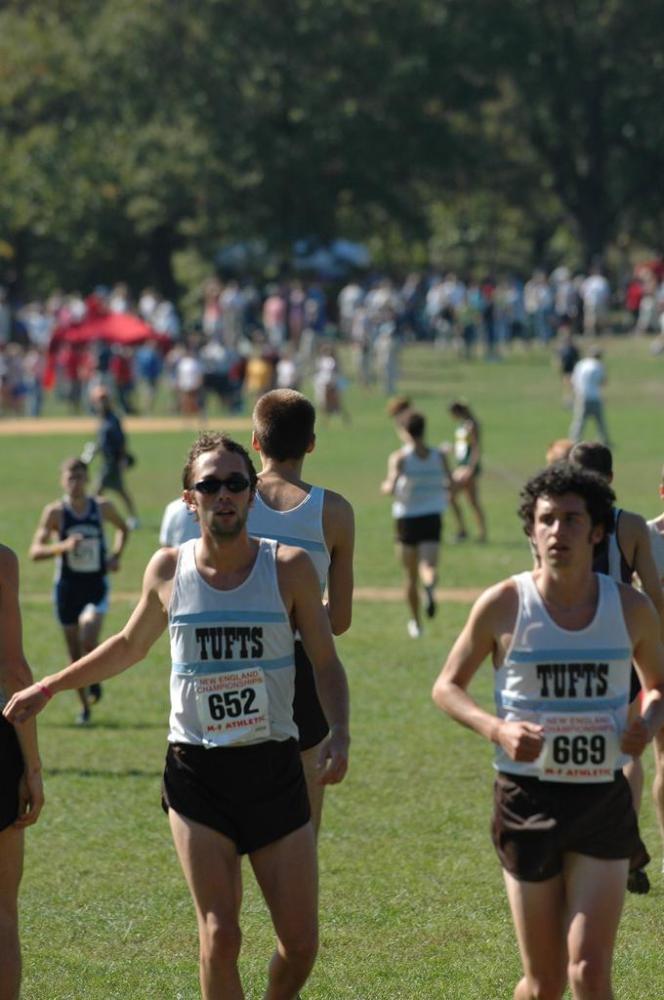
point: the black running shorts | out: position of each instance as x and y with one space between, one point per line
536 822
415 530
254 795
11 769
72 595
307 710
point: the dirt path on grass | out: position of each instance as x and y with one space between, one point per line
31 426
150 425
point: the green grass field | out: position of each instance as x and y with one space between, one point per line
412 898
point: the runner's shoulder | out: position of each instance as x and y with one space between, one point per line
498 604
632 525
162 565
338 515
292 557
53 510
8 561
635 603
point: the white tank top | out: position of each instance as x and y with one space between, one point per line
657 546
575 683
301 525
232 676
420 487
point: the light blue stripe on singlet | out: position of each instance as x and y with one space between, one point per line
427 487
302 543
210 617
570 655
202 667
509 702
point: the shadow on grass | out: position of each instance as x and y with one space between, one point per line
95 726
91 772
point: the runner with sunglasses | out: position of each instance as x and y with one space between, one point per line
233 782
288 509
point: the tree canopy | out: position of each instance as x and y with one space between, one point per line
132 129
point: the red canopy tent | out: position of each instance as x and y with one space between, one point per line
113 328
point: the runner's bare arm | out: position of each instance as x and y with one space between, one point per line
15 674
299 586
339 532
42 546
110 513
648 655
117 653
492 616
446 466
644 564
394 464
475 449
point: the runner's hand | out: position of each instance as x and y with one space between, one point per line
521 741
333 759
30 798
24 704
635 738
70 542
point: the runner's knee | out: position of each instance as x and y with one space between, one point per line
546 988
220 938
589 976
301 946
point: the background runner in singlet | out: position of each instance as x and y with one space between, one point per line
418 479
624 552
321 522
71 531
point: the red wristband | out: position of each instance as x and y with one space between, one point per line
45 690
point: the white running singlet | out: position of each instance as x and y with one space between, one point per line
301 525
574 683
657 546
232 676
420 488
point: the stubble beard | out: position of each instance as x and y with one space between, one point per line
223 532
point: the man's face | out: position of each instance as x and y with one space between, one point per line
562 532
74 482
223 512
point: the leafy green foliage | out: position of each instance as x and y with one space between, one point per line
131 130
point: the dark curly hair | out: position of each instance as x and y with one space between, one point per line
216 441
565 477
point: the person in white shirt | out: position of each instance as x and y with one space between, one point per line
596 297
178 524
418 479
588 381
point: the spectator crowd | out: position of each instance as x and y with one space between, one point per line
247 339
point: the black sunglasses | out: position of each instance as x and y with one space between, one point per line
235 483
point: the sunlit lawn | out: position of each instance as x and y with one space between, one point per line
412 900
